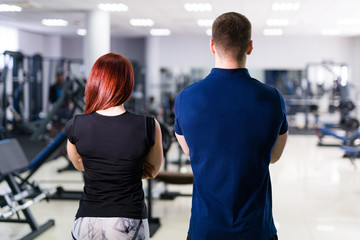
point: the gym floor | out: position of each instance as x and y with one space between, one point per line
316 196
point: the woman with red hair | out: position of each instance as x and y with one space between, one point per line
115 149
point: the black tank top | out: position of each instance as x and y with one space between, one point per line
113 149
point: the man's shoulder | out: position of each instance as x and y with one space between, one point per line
265 87
194 87
199 85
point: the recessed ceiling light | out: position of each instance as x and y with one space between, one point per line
9 8
273 32
198 7
209 32
205 22
54 22
113 7
160 32
286 6
277 22
81 32
331 32
141 22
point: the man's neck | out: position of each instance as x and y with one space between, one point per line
229 63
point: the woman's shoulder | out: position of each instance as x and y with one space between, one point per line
78 117
82 116
139 116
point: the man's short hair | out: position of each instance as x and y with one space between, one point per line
231 34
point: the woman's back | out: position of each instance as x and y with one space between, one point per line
113 149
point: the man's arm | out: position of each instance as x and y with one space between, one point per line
183 144
278 147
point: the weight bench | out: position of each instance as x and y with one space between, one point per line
49 152
12 162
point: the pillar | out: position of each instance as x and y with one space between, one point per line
97 39
153 81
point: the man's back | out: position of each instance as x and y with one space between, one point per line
230 122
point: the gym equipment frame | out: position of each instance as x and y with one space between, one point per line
14 161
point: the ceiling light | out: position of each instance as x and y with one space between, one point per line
81 32
273 32
277 22
348 21
141 22
286 6
9 8
331 32
209 32
205 22
54 22
160 32
198 7
113 7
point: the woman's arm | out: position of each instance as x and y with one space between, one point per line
74 156
154 159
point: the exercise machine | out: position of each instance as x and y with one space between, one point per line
25 91
346 130
22 81
47 153
38 127
330 80
13 162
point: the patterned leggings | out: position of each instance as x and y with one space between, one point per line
274 238
93 228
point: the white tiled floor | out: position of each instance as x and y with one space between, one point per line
316 196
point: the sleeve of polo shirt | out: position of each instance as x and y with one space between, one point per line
284 125
177 107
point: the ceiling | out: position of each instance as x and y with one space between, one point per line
312 17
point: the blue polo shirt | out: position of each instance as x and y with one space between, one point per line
231 122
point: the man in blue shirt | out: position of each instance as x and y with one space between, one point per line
233 127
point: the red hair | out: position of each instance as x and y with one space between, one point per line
110 83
